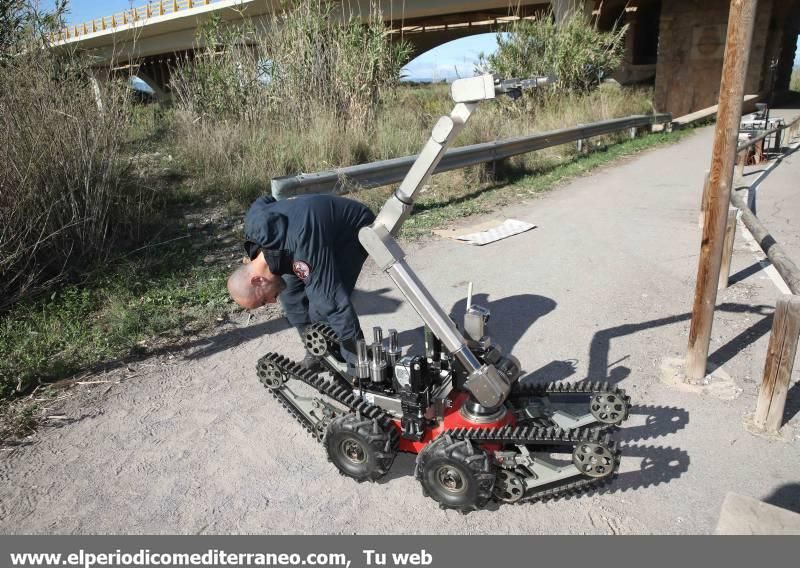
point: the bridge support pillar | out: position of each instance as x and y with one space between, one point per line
98 76
564 8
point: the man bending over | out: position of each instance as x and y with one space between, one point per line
305 252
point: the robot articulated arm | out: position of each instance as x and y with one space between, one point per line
489 386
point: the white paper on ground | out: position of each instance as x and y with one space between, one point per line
507 228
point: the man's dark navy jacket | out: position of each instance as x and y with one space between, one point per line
312 242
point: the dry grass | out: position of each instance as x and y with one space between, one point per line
323 95
66 194
492 121
236 159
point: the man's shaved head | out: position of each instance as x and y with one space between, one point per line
240 288
253 285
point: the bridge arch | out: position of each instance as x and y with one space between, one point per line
438 62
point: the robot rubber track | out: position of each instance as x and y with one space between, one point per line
276 371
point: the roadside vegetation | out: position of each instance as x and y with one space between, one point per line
795 82
120 222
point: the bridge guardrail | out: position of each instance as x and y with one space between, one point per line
150 10
385 172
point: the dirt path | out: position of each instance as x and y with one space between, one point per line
601 289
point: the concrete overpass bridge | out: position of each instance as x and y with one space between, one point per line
164 27
677 45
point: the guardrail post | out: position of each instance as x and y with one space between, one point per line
741 160
632 132
727 248
778 367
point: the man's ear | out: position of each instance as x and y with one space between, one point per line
258 280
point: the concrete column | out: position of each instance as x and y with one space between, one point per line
98 76
563 8
632 19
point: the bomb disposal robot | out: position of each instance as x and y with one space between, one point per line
479 434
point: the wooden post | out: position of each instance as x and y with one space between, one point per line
738 171
174 5
703 202
729 114
778 368
727 248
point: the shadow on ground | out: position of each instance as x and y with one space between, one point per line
511 317
786 496
599 367
366 303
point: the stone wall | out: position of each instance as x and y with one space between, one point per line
692 47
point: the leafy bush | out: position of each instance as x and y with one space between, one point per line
573 52
223 79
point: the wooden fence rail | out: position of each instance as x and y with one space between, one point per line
786 321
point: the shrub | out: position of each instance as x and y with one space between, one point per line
65 198
318 62
573 52
306 62
224 78
302 95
